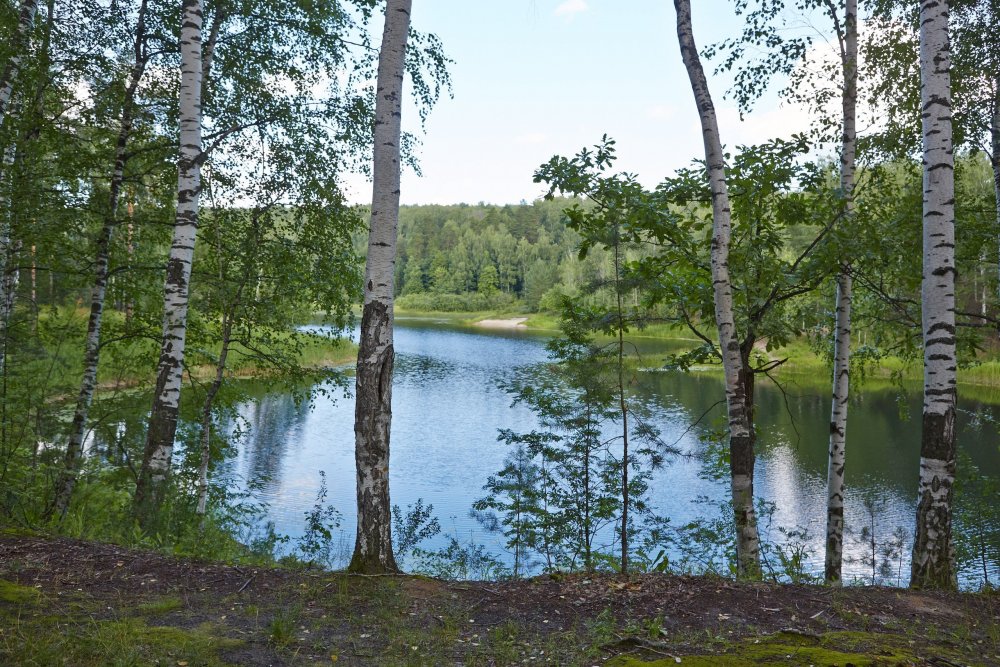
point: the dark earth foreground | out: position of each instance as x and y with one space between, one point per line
68 602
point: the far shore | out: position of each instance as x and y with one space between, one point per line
508 323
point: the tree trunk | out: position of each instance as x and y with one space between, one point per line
25 21
622 404
373 394
933 563
842 326
166 398
740 430
995 162
92 343
8 277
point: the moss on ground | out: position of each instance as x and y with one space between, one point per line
12 593
129 641
833 649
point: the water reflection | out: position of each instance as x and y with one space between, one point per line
447 409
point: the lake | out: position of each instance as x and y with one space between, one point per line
447 409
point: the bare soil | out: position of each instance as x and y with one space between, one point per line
99 604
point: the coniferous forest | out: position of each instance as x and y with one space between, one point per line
742 411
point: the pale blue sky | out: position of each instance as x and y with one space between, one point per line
534 78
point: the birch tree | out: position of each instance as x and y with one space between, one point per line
768 46
933 560
12 68
741 452
848 40
92 345
25 21
166 398
373 393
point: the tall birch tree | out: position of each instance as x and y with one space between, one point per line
779 49
8 75
166 397
373 393
933 560
847 37
737 376
25 21
92 344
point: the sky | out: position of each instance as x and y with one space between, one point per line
537 78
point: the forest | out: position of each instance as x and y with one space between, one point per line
208 345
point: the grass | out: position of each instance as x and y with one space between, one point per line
204 616
96 643
832 649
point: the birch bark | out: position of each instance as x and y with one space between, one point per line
842 344
92 344
373 394
25 21
933 561
995 160
741 437
166 398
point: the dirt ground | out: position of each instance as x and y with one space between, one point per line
65 601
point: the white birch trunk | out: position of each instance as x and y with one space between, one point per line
92 343
933 562
842 344
166 398
373 394
995 162
25 21
741 435
7 282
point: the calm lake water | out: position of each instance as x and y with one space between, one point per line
447 410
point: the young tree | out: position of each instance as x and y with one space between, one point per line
92 345
848 39
741 454
933 561
769 46
373 394
166 399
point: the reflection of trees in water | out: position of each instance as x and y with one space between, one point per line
418 368
117 428
267 429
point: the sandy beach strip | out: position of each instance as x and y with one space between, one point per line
509 323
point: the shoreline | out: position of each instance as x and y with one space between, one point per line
505 323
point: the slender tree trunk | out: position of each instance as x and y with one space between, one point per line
933 562
25 21
842 344
8 277
92 343
373 394
736 373
995 163
166 398
622 405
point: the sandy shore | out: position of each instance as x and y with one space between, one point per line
510 323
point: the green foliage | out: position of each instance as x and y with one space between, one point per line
456 303
412 528
977 524
316 545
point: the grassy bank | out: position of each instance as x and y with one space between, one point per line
130 360
84 603
803 365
